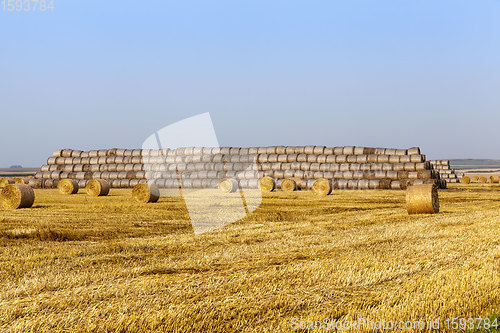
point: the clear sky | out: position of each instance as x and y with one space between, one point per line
102 74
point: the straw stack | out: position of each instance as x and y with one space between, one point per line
445 171
204 167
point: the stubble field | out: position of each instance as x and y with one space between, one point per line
76 263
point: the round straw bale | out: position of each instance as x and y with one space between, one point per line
383 159
390 151
368 151
495 179
362 159
482 179
396 185
16 196
322 187
401 152
68 186
97 187
422 199
475 179
18 180
359 150
267 184
228 185
349 150
414 151
146 193
289 185
309 150
398 167
340 158
351 158
319 150
338 150
76 153
394 159
280 150
404 159
417 158
6 181
328 151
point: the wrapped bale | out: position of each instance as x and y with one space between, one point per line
228 185
322 187
422 199
97 187
146 193
267 184
68 186
14 196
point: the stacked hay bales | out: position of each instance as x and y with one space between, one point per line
446 173
204 167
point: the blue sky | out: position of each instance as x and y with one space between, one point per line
102 74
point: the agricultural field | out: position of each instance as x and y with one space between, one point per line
81 263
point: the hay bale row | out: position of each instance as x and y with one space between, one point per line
394 175
322 186
186 151
220 158
304 166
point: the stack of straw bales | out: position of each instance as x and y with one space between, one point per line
204 167
446 173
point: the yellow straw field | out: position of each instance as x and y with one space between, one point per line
81 263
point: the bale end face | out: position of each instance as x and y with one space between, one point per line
68 186
267 184
16 196
97 187
146 193
322 187
422 199
228 185
289 185
465 180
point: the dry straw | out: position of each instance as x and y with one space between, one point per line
146 193
68 186
483 179
16 196
322 187
228 185
267 184
97 187
422 199
465 180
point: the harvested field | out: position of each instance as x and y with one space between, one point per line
113 264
